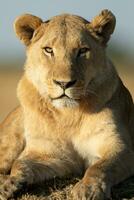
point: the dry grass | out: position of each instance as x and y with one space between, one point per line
8 84
60 189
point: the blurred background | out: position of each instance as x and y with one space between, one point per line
12 52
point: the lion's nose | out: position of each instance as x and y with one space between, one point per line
65 85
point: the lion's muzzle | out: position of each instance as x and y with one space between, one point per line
65 85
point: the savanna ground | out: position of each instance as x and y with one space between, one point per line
57 189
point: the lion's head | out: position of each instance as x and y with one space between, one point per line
65 55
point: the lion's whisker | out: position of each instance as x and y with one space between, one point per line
89 91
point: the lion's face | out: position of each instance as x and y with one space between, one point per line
63 59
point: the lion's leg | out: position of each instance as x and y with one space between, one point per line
11 140
100 177
33 168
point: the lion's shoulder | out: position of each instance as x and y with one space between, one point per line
122 104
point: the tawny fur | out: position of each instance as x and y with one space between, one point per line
86 127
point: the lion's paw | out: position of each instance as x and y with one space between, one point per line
92 191
7 188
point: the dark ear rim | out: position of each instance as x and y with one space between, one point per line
102 26
25 25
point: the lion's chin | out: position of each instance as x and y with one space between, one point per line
65 102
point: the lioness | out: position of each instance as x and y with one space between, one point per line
75 115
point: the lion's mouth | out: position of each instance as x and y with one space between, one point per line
65 100
67 95
63 96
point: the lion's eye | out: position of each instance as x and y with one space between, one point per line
83 52
48 50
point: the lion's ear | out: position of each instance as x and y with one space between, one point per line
102 26
25 25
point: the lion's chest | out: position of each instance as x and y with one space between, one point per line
67 138
50 136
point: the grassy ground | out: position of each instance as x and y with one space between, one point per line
58 189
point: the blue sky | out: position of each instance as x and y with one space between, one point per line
10 9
